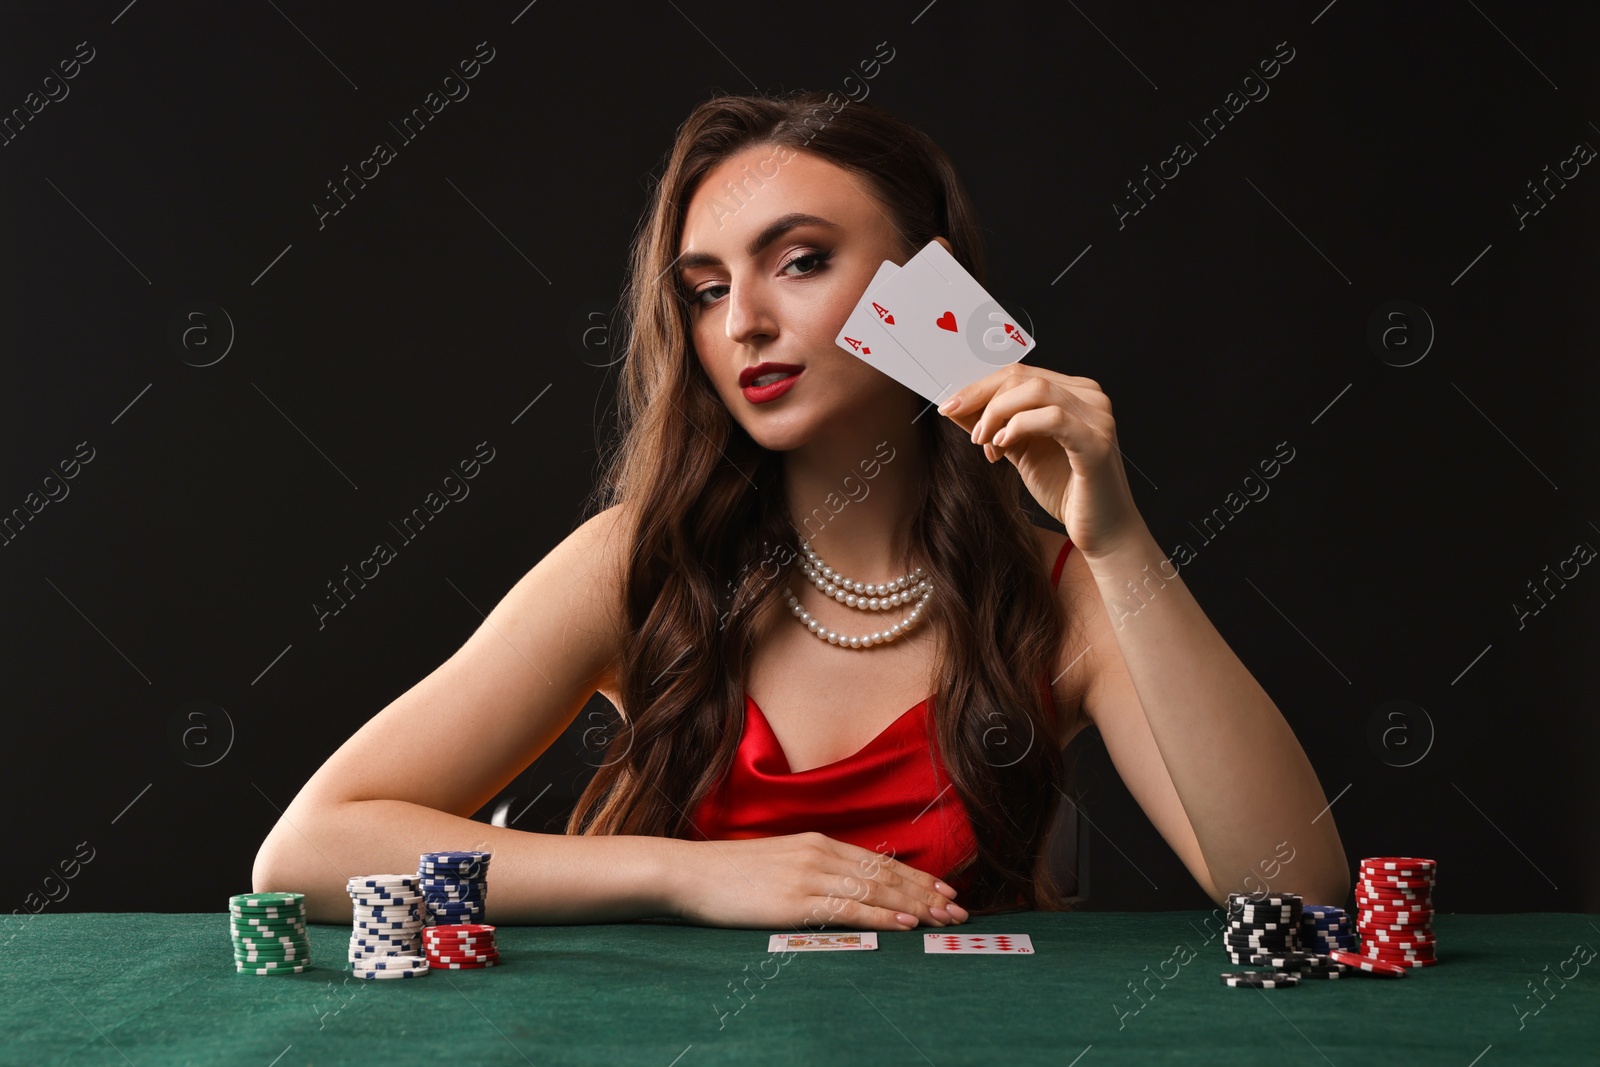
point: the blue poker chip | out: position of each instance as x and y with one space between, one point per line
462 863
361 900
388 935
383 882
388 912
408 889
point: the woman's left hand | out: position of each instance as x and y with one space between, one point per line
1057 430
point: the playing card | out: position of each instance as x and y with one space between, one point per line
978 944
947 324
863 335
840 942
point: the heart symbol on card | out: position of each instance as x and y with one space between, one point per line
947 321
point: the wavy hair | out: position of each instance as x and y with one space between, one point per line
682 468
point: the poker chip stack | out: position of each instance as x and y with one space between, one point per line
460 947
454 886
269 933
386 926
1394 900
1265 931
1325 929
1261 925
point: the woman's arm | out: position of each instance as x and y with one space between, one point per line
1201 746
398 787
534 877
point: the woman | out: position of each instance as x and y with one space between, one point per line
750 717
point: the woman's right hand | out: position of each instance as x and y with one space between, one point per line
781 882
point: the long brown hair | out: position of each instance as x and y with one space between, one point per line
705 505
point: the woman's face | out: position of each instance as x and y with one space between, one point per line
786 300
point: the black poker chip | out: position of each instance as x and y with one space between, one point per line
1289 961
1260 979
1284 899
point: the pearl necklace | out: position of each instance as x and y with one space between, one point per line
864 595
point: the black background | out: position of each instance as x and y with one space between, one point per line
473 278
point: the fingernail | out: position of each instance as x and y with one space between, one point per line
949 405
946 890
905 920
938 912
1000 438
958 911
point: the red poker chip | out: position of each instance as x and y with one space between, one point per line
1372 888
1381 968
1398 863
447 958
1378 885
459 928
1375 910
464 939
465 966
1407 885
1397 923
1398 957
461 946
1398 885
1406 942
1407 947
1368 900
1397 876
1390 876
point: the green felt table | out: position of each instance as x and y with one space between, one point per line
161 989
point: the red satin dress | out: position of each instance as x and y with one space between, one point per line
892 796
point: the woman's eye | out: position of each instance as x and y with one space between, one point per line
816 259
694 297
819 257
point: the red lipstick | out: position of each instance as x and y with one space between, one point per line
761 394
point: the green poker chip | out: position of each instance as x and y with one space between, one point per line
267 900
251 968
